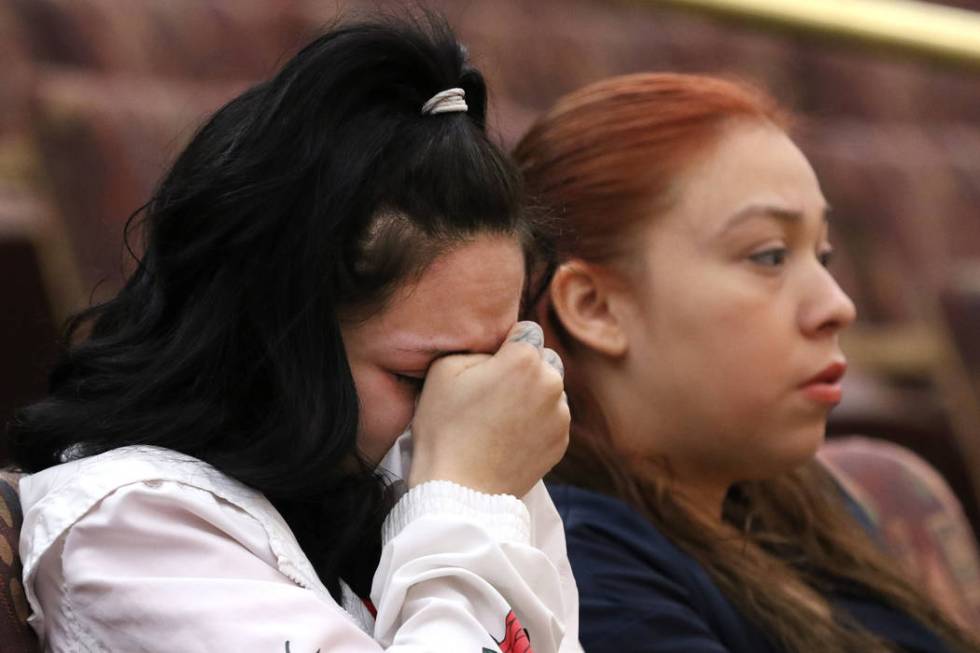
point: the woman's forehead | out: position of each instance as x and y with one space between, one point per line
750 165
465 301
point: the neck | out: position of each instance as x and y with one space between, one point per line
704 500
702 491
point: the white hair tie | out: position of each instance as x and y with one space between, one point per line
448 101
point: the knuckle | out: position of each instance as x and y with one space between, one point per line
565 415
553 384
525 357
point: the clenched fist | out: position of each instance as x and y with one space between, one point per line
496 424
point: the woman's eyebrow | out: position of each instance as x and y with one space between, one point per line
777 211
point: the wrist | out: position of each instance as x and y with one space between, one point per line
504 515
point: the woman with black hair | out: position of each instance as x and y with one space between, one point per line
338 252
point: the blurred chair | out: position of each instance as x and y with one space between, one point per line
122 132
115 89
903 262
15 634
210 39
40 290
919 519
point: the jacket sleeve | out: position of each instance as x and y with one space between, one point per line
457 564
164 566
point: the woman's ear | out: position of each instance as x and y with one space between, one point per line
586 303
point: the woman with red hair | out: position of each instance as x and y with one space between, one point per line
689 296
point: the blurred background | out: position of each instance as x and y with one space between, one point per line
97 96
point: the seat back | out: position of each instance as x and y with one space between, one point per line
15 634
917 517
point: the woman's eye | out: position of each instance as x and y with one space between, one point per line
413 382
770 258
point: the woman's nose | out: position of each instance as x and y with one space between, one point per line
828 309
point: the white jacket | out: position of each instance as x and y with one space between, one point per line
145 549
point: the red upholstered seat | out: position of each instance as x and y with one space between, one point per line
15 635
918 518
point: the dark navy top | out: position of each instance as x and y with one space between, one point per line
639 592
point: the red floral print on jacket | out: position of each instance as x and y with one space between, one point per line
516 639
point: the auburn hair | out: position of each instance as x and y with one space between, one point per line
603 161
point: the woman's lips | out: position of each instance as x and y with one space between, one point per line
824 388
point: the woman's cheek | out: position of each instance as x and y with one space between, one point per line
386 408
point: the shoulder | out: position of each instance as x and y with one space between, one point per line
638 589
618 555
57 497
129 481
596 520
191 567
92 477
142 490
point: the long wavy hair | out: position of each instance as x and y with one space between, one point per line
302 201
601 161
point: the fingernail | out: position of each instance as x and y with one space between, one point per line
552 358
